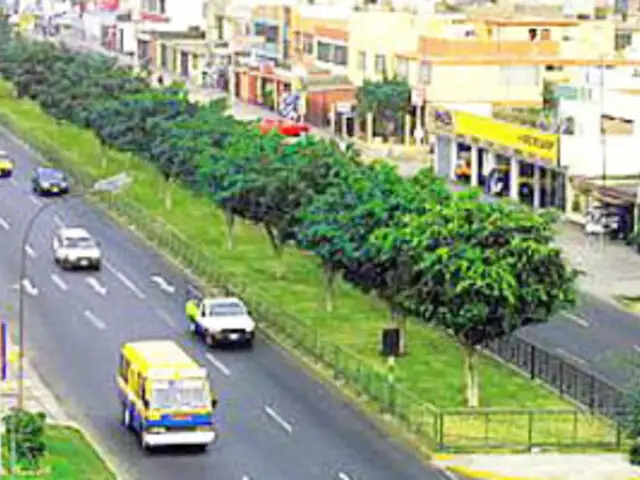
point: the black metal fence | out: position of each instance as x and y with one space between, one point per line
566 378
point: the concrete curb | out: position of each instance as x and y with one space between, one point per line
484 475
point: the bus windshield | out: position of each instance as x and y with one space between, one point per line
179 395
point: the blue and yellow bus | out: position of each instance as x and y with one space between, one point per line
165 395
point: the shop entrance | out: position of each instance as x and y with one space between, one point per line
504 160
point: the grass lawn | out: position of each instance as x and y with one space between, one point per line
433 369
71 457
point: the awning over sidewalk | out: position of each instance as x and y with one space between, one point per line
624 194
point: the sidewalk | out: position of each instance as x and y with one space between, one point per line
540 466
611 267
37 397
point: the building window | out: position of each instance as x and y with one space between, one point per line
362 61
297 42
424 75
533 34
324 52
195 61
162 6
340 54
307 44
545 34
164 57
381 64
402 67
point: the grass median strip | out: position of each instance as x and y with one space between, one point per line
432 371
70 456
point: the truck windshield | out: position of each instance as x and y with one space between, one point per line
180 395
227 309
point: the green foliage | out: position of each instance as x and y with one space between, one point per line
479 270
27 430
634 454
389 100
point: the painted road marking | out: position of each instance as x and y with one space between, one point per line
278 419
99 324
219 365
128 283
96 286
577 319
29 287
58 221
59 282
35 200
570 356
30 251
167 318
4 224
163 284
343 476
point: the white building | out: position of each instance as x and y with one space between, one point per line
603 102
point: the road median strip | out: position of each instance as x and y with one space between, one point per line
345 341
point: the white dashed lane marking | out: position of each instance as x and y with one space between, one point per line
278 419
128 283
59 282
99 324
4 224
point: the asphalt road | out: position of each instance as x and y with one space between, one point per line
275 421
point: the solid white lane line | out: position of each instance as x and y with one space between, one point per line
578 320
35 200
278 419
99 324
219 365
163 284
128 283
96 286
167 318
4 224
29 288
30 251
59 282
570 356
58 221
343 476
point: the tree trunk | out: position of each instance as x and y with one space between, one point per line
168 193
278 248
230 220
329 277
471 375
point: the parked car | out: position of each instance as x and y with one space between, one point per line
6 165
49 181
74 247
284 127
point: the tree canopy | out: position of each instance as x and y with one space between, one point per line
477 270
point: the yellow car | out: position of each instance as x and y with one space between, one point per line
6 165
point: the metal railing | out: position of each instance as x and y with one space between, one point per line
569 380
438 428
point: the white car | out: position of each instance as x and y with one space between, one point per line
75 248
222 321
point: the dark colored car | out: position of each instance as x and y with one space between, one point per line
49 181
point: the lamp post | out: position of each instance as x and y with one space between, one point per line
111 185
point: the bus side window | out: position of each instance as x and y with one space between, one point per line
124 369
143 392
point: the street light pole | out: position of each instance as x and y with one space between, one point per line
111 184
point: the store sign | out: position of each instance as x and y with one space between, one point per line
527 140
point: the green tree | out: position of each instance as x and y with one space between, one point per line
479 270
27 430
389 100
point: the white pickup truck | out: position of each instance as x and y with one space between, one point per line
222 320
